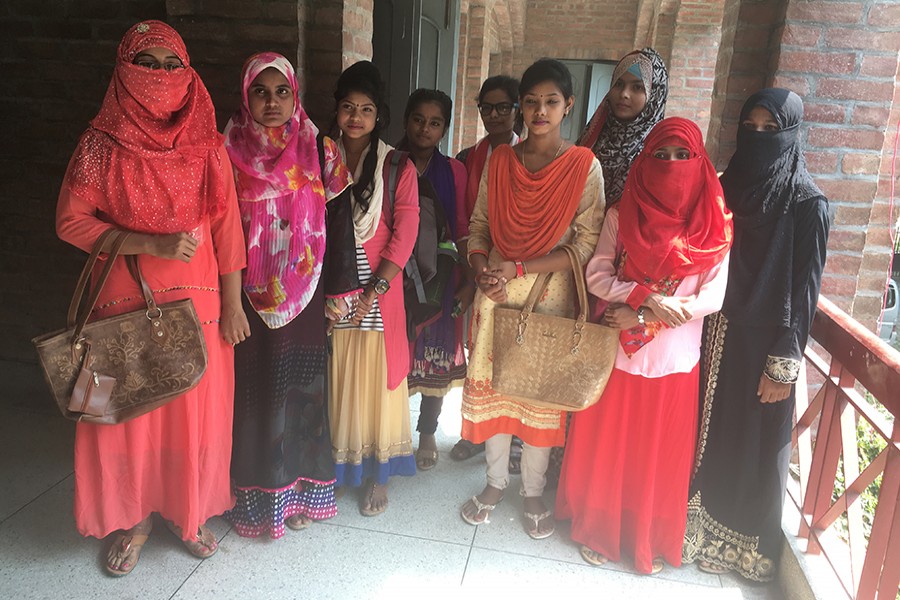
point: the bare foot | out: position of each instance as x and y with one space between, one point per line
125 551
488 498
539 523
298 522
375 499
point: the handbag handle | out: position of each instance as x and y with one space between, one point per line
78 319
540 286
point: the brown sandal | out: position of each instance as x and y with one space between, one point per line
298 522
593 557
204 543
365 508
128 541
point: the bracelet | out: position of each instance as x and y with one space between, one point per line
640 316
520 269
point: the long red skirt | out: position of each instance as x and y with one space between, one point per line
627 468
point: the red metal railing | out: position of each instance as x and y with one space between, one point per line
857 359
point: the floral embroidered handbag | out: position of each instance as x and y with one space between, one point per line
114 369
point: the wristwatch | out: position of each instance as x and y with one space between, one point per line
380 285
640 316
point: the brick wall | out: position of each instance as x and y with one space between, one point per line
56 60
842 57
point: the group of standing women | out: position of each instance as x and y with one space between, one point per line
321 381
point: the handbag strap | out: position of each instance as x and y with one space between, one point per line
131 261
76 318
543 280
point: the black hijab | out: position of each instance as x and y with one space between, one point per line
764 180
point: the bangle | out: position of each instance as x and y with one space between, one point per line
520 269
640 316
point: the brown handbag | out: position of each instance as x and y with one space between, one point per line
115 369
548 361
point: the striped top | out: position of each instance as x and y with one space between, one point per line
372 321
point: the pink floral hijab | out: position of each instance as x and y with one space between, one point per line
282 199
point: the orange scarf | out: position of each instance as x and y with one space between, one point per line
530 212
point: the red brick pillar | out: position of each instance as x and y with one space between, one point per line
842 57
692 68
473 66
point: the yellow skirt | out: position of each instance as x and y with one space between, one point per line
370 429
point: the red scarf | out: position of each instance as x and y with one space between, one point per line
672 219
150 158
530 212
475 162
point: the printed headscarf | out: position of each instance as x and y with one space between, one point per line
150 158
282 198
616 143
765 178
672 218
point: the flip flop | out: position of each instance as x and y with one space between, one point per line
593 557
482 507
204 543
128 541
657 566
712 569
298 522
535 519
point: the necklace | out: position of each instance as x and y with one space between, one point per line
425 168
555 156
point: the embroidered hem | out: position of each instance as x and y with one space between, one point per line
781 369
708 540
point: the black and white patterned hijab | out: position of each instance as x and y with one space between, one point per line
617 143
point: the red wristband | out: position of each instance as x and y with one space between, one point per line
520 269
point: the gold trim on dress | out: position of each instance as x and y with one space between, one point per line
708 540
716 326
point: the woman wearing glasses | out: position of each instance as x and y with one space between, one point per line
499 108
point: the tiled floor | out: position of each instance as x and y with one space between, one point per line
419 545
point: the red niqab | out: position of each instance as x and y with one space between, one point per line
672 218
150 159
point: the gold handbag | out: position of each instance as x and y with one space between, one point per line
118 368
548 361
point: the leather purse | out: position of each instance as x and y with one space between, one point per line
114 369
548 361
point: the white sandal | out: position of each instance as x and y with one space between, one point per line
481 508
535 533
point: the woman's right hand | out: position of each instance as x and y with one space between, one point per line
174 246
670 310
491 286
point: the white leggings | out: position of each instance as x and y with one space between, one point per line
534 465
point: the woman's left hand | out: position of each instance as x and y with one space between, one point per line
619 316
364 304
771 391
233 325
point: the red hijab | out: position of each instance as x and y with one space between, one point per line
672 218
151 157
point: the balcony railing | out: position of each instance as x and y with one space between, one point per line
850 359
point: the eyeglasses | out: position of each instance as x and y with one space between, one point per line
502 108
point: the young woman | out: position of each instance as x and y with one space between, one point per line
636 101
661 265
369 397
498 104
756 343
281 460
438 360
152 163
533 198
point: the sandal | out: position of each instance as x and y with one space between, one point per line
298 522
464 450
657 566
204 543
128 541
535 532
426 459
712 569
593 557
366 509
482 508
